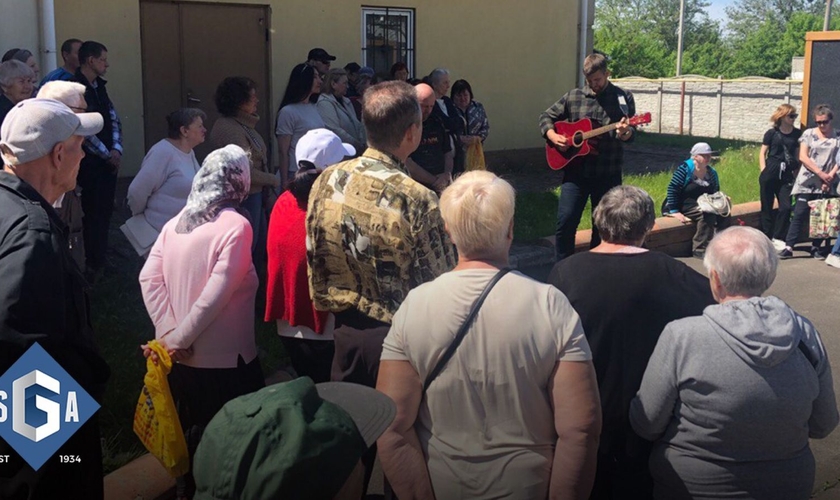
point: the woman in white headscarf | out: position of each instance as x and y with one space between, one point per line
199 286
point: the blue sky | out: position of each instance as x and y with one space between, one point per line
716 10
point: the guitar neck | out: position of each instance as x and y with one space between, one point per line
600 130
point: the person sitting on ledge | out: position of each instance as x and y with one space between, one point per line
693 178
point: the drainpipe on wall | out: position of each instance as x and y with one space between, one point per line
583 38
47 32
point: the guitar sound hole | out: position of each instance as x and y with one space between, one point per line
577 139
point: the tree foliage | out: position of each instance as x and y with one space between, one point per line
760 39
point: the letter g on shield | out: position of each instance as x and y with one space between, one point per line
51 408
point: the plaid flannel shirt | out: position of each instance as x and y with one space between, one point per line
603 108
94 146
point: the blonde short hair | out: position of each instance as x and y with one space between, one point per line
332 76
64 92
478 209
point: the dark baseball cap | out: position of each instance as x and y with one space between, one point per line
289 440
320 55
352 67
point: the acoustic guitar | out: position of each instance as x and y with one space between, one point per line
578 134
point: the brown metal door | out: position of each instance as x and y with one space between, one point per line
161 56
214 41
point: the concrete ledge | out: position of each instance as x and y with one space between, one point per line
142 479
145 478
671 236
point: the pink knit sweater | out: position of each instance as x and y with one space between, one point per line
199 289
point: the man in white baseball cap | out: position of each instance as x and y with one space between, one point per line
321 148
42 291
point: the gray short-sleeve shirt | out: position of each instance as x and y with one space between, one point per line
486 423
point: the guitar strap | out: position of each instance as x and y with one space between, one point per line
622 103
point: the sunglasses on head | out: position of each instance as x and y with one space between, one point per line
822 122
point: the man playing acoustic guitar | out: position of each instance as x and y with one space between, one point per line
593 175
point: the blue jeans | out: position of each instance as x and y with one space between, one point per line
836 248
573 195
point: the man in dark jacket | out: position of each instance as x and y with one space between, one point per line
42 291
98 173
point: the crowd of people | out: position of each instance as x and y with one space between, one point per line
626 375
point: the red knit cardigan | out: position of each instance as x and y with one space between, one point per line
288 286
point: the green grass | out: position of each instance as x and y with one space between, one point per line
737 167
122 325
685 142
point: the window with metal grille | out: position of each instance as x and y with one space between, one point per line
387 38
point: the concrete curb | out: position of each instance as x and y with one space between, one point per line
668 236
141 479
145 478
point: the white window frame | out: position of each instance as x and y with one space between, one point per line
391 11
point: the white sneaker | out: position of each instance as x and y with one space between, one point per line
833 260
779 245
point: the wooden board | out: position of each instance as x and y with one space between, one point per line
822 74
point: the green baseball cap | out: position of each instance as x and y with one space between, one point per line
289 440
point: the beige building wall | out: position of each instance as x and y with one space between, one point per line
518 56
19 25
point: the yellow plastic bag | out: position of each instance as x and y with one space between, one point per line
156 420
475 157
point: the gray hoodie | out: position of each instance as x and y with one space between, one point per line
733 388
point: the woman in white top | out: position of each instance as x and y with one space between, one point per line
296 116
337 110
160 190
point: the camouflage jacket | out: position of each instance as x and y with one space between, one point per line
372 234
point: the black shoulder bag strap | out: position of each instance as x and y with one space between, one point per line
462 332
808 355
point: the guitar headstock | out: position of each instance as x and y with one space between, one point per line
640 119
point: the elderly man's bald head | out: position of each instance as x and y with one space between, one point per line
426 97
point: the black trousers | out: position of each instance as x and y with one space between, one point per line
199 394
573 195
98 180
356 360
775 223
310 358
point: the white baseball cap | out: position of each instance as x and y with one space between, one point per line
322 148
34 126
702 148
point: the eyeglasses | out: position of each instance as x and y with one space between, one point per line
823 122
793 116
